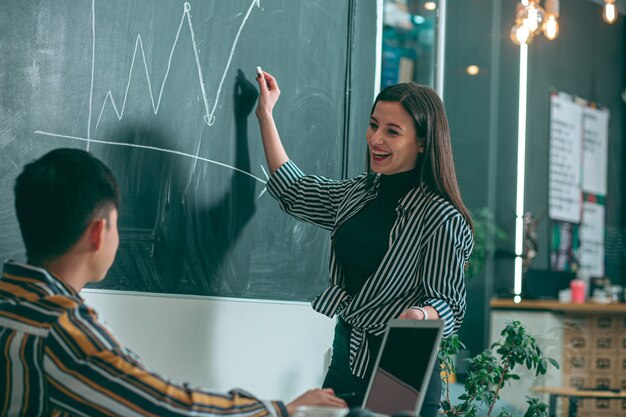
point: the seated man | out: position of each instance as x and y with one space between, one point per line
57 358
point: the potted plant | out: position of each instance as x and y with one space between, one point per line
488 372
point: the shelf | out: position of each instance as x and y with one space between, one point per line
542 305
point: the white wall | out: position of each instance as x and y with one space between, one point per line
273 349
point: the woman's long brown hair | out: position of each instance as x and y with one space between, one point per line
436 164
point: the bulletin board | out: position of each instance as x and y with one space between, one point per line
579 135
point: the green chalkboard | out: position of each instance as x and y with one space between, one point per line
163 92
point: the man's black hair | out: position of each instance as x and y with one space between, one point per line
56 198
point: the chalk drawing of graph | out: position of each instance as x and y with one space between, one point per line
139 55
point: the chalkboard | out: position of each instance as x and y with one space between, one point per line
163 92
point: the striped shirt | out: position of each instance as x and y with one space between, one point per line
429 244
57 359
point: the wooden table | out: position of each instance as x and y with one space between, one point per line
546 305
573 395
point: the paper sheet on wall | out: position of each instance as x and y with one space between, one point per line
592 239
565 158
595 149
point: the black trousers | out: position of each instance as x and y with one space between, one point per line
341 380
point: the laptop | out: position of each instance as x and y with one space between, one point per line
403 367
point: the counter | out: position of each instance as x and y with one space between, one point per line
547 305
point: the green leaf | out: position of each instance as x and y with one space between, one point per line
554 363
541 367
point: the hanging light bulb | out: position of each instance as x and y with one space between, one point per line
520 34
550 23
551 27
610 11
531 16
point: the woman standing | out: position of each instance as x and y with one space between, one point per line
400 234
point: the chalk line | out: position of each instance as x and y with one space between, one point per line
153 148
210 116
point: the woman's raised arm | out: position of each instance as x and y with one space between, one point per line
268 96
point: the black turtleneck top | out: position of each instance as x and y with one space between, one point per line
362 241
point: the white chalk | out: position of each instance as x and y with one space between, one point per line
259 71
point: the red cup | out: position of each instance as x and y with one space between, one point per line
577 286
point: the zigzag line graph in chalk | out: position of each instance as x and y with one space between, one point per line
209 117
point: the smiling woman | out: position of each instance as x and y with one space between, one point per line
400 234
391 139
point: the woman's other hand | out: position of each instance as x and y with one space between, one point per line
268 94
414 313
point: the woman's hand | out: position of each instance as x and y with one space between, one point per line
413 313
325 396
268 94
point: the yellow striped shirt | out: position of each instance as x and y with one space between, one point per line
57 359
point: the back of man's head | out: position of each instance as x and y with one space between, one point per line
56 198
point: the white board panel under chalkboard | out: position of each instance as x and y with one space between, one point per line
163 92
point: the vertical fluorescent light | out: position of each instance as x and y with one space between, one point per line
521 160
440 49
379 47
518 277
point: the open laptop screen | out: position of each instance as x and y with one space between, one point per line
404 367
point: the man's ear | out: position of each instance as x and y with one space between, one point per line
96 233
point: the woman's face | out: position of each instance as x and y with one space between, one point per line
392 140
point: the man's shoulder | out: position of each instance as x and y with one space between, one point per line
30 302
35 310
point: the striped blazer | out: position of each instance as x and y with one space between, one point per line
429 244
59 360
